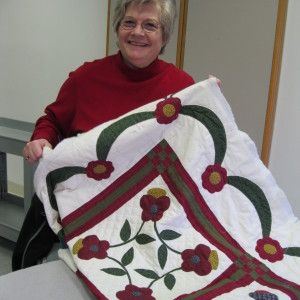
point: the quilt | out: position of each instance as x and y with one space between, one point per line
171 201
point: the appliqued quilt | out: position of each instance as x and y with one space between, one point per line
171 201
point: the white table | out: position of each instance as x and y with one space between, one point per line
53 280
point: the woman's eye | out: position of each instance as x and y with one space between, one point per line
150 26
129 23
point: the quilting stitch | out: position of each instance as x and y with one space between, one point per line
162 162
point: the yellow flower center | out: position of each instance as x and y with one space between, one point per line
169 110
214 259
270 249
99 169
77 246
157 192
215 178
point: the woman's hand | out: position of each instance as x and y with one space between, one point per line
33 150
218 80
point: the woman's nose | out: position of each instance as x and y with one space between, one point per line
138 29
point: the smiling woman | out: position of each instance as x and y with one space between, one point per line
170 19
143 29
221 37
109 87
139 47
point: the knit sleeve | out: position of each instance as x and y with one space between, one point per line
56 124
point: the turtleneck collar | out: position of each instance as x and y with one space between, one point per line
139 74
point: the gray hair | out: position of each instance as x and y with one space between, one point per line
166 8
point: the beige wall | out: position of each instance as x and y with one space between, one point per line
234 40
41 41
284 158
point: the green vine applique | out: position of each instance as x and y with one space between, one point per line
201 260
267 248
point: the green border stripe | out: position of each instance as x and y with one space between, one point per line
198 212
284 285
110 199
239 274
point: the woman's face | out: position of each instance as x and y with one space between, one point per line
139 48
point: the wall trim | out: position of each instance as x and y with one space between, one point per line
275 69
183 11
274 80
107 29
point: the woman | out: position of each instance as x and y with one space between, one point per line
100 91
110 87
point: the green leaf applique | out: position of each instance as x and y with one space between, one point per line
125 232
144 239
114 271
128 257
169 235
170 281
162 254
292 251
147 273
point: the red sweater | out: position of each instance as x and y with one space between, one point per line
105 89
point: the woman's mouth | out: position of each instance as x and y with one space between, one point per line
139 44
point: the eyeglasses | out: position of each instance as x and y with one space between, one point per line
148 26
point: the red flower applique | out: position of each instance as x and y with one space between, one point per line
201 260
91 247
214 178
154 204
167 111
269 249
99 169
133 292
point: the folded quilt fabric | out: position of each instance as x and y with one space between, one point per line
171 201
